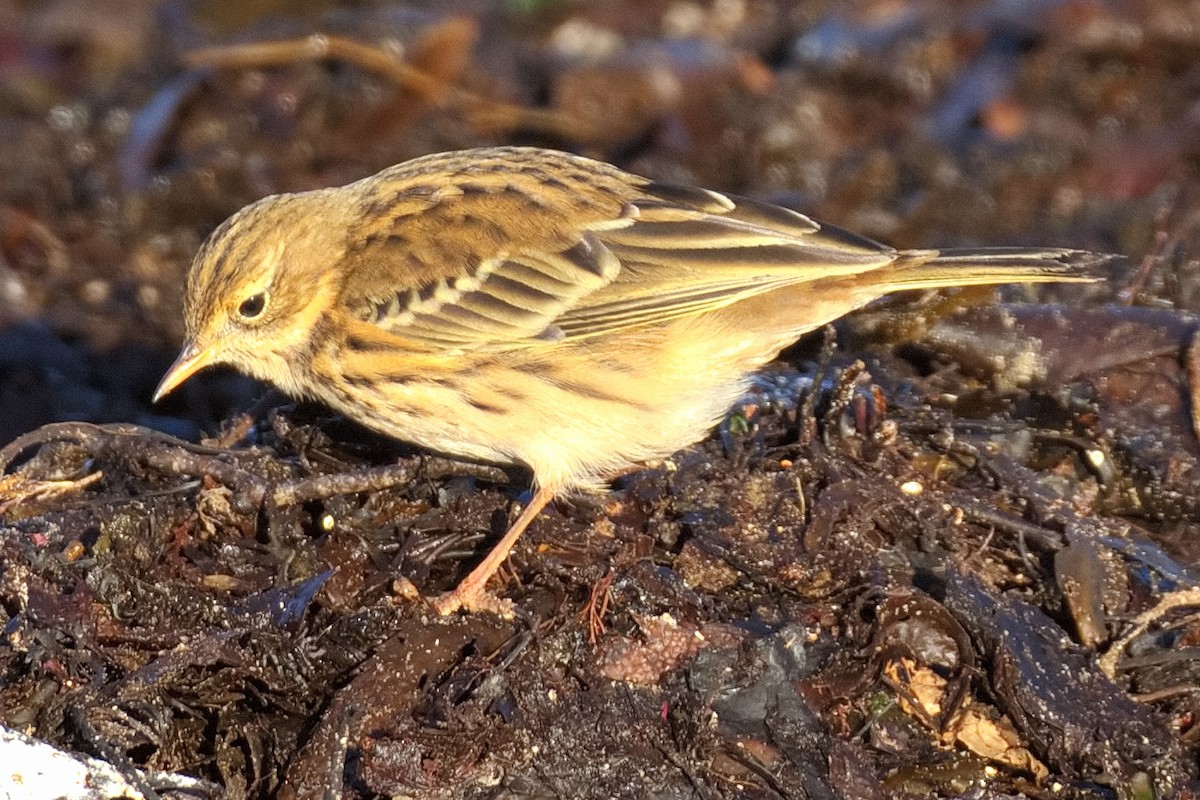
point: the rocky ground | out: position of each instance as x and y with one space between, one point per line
949 548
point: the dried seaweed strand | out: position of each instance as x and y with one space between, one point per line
171 456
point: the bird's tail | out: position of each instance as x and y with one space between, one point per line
934 269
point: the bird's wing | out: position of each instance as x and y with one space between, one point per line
477 272
691 251
500 268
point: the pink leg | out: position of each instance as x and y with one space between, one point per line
472 593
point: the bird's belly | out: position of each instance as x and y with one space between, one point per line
419 413
574 422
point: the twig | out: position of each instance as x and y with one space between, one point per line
480 110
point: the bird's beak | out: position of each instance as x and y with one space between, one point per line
191 360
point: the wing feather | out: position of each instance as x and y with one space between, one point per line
612 251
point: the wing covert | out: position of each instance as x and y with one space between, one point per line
511 256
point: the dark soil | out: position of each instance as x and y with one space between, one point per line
951 548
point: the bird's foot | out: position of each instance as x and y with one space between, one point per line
472 599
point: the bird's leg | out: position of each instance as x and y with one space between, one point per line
472 593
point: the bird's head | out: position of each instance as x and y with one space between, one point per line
257 288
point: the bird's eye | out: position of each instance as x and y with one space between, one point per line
252 306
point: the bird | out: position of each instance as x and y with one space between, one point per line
529 307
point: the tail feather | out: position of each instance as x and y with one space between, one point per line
933 269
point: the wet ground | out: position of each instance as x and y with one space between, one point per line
963 565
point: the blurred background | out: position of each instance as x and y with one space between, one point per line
1007 479
131 128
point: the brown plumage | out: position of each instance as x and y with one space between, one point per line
526 306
